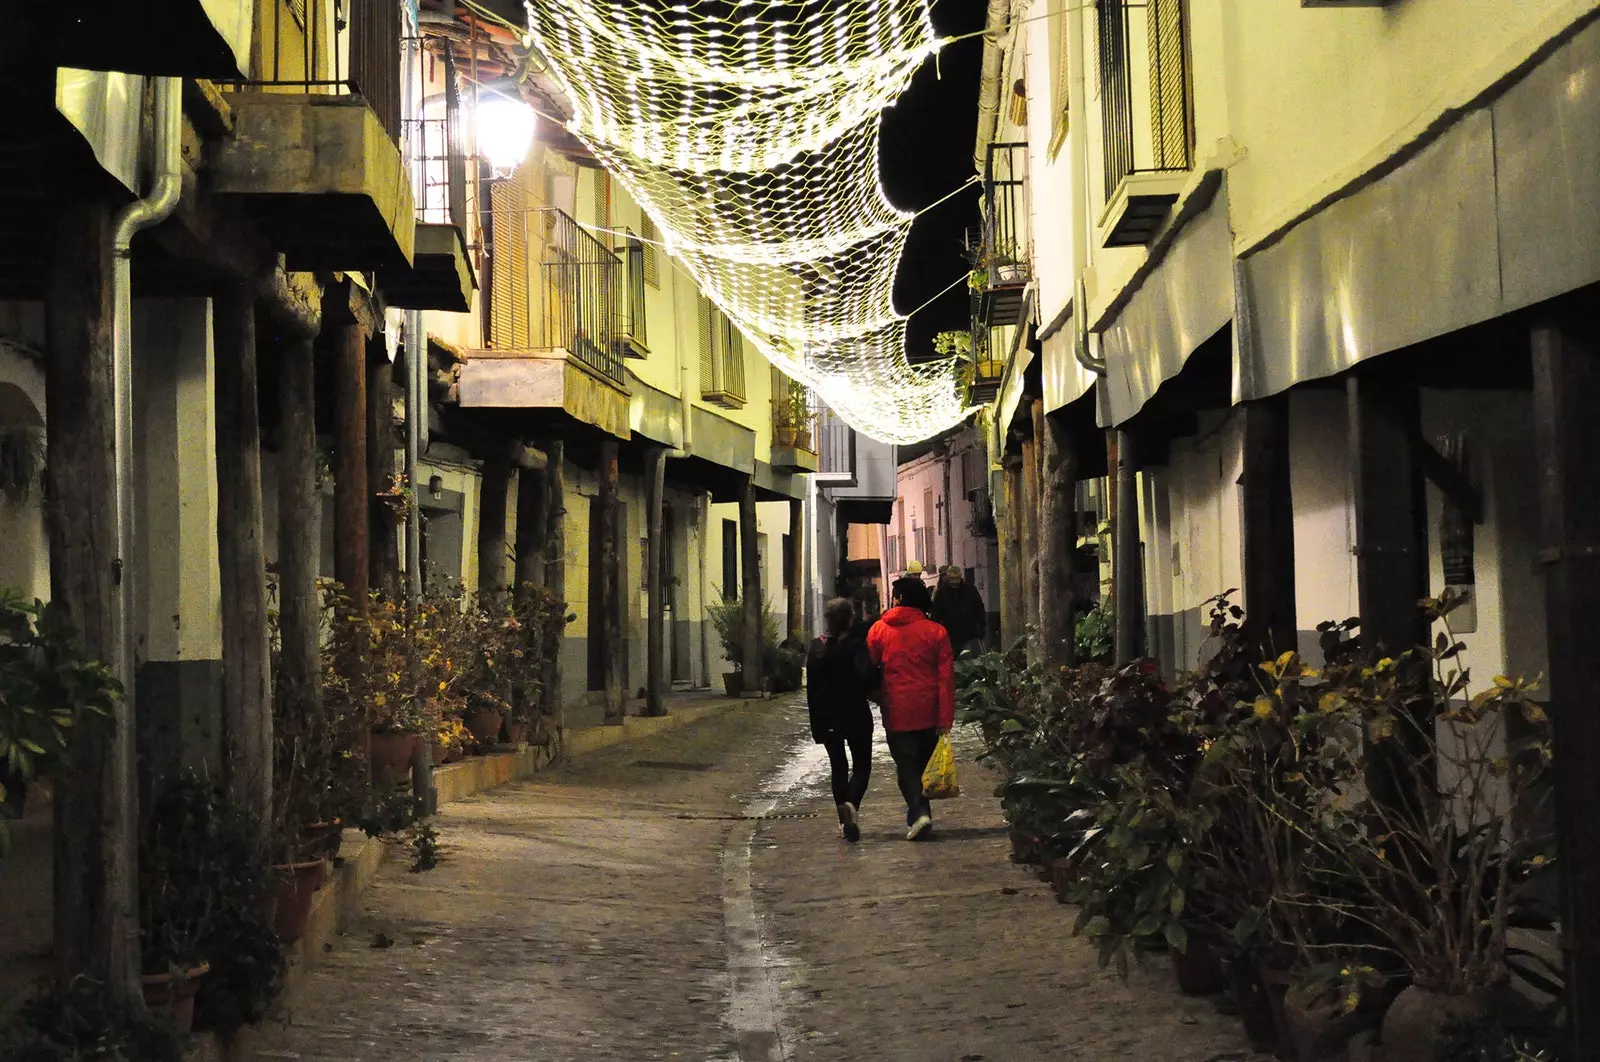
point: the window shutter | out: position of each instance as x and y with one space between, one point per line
1169 105
733 363
652 250
708 363
508 266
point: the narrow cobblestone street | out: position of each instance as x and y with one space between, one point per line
625 906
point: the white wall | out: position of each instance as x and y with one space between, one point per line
1324 520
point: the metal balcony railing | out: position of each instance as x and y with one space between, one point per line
432 134
1003 252
334 47
1144 57
552 285
793 411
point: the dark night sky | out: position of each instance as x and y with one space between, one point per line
927 151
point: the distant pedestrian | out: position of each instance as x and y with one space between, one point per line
839 676
919 691
958 608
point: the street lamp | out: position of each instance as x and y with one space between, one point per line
505 131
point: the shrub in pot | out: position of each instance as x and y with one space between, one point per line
728 620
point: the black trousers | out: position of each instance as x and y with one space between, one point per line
850 772
912 749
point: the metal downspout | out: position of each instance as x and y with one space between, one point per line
995 24
165 187
1077 144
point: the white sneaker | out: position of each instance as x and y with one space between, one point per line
852 828
920 827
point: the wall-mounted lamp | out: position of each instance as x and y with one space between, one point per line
436 487
505 132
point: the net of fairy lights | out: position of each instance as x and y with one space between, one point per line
748 130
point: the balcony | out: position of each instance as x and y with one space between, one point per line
441 275
1002 259
314 153
163 38
793 418
552 309
721 358
1149 145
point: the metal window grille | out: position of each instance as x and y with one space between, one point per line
553 286
1005 213
1145 57
434 140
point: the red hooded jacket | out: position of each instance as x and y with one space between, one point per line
919 684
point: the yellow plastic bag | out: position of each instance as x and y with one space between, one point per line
939 776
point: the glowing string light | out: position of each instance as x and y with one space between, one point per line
750 134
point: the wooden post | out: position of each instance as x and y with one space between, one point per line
299 611
96 923
384 573
1125 559
1566 392
796 574
1028 525
1058 633
1391 551
241 551
494 485
754 602
555 574
351 498
655 483
611 649
949 511
1269 591
1009 524
533 499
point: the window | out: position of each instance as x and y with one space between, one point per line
730 560
721 358
602 198
651 238
1060 74
892 561
510 323
1144 58
635 318
788 559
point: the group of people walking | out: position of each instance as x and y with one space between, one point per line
905 661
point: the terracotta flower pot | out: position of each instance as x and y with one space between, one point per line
785 435
328 837
991 734
174 995
1063 875
1255 1006
516 732
1318 1025
296 891
1276 980
484 723
390 754
1024 846
1412 1026
733 682
1199 966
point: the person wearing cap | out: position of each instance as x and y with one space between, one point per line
958 608
917 691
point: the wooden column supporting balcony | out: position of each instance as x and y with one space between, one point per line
1127 564
655 483
351 498
555 571
754 671
1269 590
384 558
611 650
796 575
494 487
299 610
1058 546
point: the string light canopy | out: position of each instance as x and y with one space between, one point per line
749 131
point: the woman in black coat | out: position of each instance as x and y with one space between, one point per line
839 676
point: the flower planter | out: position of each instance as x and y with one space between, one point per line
991 734
174 995
441 754
1412 1026
1199 967
802 438
1063 875
785 435
484 723
295 893
1024 847
326 837
1319 1027
1255 1007
1276 979
733 682
390 755
516 732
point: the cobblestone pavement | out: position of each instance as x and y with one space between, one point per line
622 907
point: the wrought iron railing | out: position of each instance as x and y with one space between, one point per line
793 410
432 135
569 303
334 47
1003 252
1144 55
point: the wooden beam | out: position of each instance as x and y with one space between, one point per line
611 645
351 497
493 486
1058 545
1268 518
384 561
1127 564
96 922
655 483
754 602
1028 535
796 574
299 611
555 573
1566 394
533 499
241 548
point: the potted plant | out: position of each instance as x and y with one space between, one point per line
48 691
798 402
727 618
178 850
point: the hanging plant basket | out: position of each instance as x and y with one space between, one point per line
22 453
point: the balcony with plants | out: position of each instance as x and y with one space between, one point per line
794 418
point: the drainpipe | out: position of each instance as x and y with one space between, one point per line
989 81
1077 144
165 187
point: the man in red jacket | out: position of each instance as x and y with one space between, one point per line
919 691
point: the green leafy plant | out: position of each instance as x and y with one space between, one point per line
954 344
22 457
727 619
1096 635
50 690
77 1025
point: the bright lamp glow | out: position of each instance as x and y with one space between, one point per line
505 131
